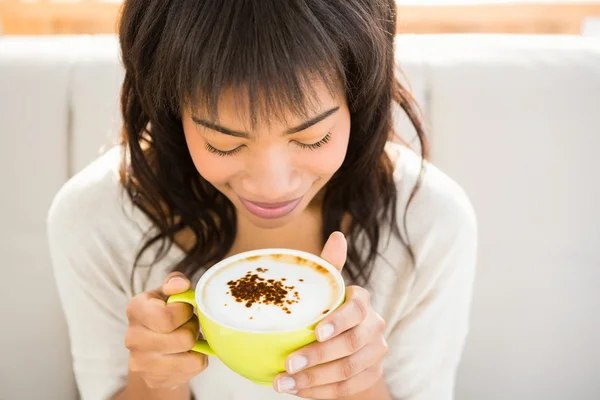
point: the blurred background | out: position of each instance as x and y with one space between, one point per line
416 16
510 92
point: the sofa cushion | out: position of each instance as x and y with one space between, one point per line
516 121
34 123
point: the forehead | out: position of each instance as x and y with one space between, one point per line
238 108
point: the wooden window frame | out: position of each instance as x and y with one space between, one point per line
91 17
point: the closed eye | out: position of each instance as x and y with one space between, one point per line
222 153
314 146
311 146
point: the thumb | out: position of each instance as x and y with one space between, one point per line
335 250
175 282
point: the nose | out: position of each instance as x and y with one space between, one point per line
272 177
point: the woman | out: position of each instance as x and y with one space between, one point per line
252 124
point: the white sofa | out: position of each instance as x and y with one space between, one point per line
514 119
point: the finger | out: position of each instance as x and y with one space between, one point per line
174 283
145 363
335 250
354 385
182 339
170 382
151 311
339 347
332 372
354 311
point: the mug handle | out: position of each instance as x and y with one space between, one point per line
189 297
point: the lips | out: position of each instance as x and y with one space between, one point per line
270 210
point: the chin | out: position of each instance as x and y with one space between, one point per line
264 223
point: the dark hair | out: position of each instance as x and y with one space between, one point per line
184 52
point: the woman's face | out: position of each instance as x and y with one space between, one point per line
273 173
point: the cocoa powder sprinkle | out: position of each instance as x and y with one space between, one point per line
255 289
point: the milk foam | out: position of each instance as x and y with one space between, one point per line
311 292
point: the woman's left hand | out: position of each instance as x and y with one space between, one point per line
347 357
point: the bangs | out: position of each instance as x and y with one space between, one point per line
268 53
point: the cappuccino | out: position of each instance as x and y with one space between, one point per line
274 292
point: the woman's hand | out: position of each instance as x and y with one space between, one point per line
350 347
160 336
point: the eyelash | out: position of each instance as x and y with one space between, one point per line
222 153
316 145
312 146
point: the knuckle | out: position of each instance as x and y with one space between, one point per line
185 339
380 323
130 311
348 368
384 346
353 340
341 389
188 364
158 343
362 307
165 323
374 373
362 294
366 296
130 339
307 378
176 366
318 354
200 363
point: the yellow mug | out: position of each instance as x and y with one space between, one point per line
256 355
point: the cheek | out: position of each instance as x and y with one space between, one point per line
327 160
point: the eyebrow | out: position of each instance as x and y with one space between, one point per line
299 128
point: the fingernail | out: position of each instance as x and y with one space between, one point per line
296 363
177 281
285 384
324 332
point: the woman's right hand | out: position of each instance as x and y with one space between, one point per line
160 336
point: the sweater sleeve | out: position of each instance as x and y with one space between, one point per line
427 339
91 290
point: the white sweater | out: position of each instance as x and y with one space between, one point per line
95 232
